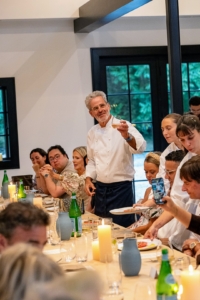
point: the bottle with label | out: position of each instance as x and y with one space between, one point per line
5 183
21 193
75 216
166 285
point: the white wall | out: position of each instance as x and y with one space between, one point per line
52 69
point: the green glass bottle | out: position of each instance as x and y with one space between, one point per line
5 183
166 286
75 216
5 178
21 193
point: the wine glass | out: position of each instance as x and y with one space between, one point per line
115 121
81 245
180 264
144 289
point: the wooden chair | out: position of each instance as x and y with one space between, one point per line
27 180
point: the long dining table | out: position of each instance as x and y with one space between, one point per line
149 265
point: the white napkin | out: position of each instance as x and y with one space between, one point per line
148 255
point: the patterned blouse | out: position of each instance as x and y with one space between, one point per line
146 216
72 182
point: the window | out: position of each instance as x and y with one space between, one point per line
136 81
190 82
8 125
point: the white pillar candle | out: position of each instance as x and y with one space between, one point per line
12 190
190 282
105 242
14 198
38 202
95 250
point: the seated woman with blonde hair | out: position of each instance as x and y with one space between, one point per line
22 265
151 168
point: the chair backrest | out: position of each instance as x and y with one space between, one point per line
27 180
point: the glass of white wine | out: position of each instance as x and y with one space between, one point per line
116 121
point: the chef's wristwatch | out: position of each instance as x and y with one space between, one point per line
129 138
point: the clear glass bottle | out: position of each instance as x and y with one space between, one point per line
166 285
75 216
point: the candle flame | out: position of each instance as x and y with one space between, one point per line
191 269
180 292
103 222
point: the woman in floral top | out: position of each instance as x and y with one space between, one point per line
75 182
151 168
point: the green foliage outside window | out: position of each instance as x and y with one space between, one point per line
190 82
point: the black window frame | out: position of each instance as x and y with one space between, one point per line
9 99
157 57
99 57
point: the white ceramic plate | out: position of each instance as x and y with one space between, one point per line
150 244
41 195
128 210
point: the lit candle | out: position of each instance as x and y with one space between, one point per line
14 198
95 250
105 242
11 190
190 282
38 202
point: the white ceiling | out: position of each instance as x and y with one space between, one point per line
68 9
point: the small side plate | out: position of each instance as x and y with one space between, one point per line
128 210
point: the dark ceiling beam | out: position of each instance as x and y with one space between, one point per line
174 55
96 13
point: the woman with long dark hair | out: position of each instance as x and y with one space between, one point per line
39 158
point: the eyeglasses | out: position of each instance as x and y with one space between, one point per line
195 110
168 172
56 157
96 108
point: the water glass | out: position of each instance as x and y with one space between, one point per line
113 272
128 233
68 251
54 230
180 264
107 221
113 279
81 244
95 223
